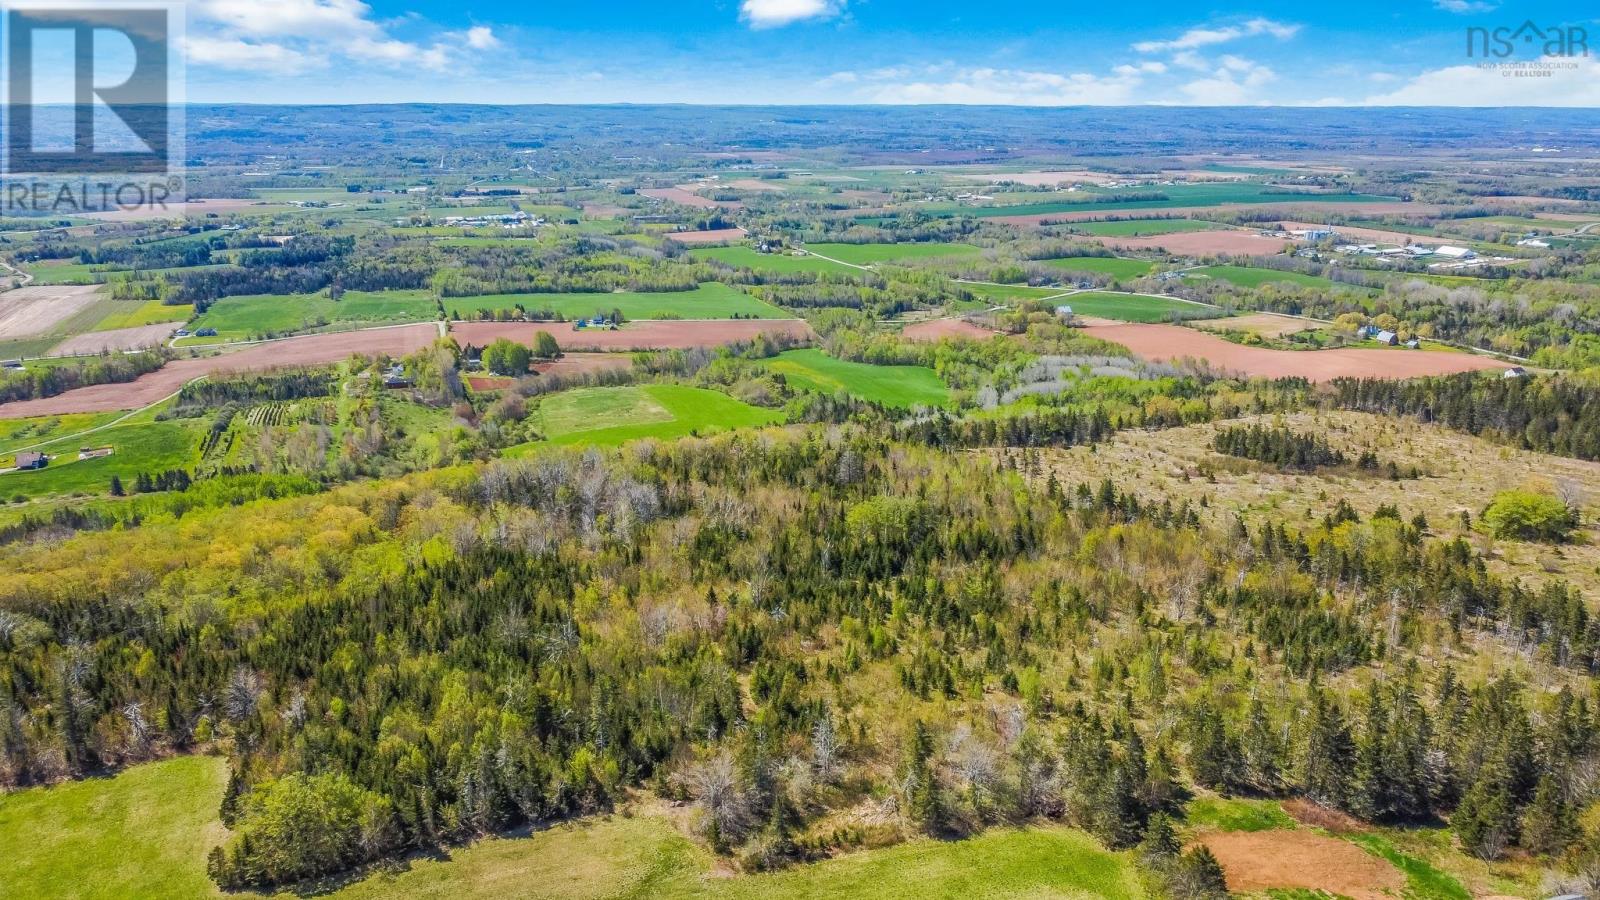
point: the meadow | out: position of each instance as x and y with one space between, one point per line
872 254
134 315
1116 267
1136 227
1143 308
257 316
146 447
610 416
711 300
898 386
746 258
1245 276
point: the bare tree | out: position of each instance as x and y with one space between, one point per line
138 728
825 749
725 805
243 694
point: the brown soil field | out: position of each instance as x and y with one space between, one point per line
33 311
938 329
137 338
605 210
1202 243
1269 325
1263 860
659 335
1166 343
1460 473
485 383
313 349
578 363
756 184
718 236
683 197
1200 212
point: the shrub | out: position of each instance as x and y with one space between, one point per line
1529 516
300 827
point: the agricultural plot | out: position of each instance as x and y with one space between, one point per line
712 300
1138 227
1136 307
1245 276
15 434
612 416
872 254
137 315
746 258
253 317
898 386
139 448
1116 267
1169 197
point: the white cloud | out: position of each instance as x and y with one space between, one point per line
1235 82
1205 37
481 37
232 53
1551 81
1014 87
291 35
778 13
1464 7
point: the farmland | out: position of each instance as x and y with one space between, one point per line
146 447
872 254
1116 267
746 258
611 416
1137 227
898 386
1135 307
710 301
1249 277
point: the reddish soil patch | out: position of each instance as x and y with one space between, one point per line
484 384
939 329
686 198
718 236
579 363
136 338
661 335
1165 343
1202 243
310 350
1200 212
1264 324
756 184
604 210
1307 813
1263 860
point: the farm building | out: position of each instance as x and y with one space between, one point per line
1387 337
11 365
1064 312
1455 253
27 461
1515 372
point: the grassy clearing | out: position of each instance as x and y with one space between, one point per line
1114 266
144 833
243 318
898 386
1007 293
134 315
1423 881
141 447
1244 276
18 433
746 258
710 301
1138 227
871 254
1135 307
1228 814
607 417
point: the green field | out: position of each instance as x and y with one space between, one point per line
610 416
1244 276
141 447
871 254
1165 197
711 300
243 318
898 386
746 258
18 433
1135 307
1116 267
1134 227
133 315
145 833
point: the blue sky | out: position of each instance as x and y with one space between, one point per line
1068 52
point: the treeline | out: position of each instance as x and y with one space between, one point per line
749 623
34 384
1279 446
1547 414
199 397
